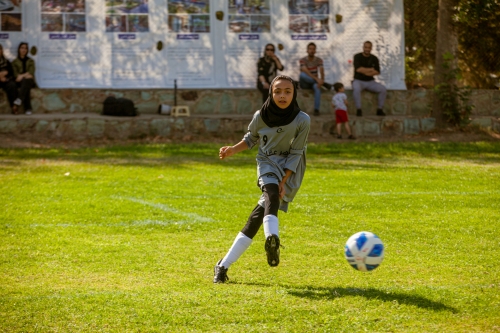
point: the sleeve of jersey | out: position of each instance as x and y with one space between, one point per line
298 145
252 136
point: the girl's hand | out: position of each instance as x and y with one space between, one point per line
281 187
226 151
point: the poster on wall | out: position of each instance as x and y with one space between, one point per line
63 59
249 25
131 56
150 43
308 16
382 24
189 55
11 16
308 21
127 16
11 28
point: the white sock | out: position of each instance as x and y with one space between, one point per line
270 225
240 245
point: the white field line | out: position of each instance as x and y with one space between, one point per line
190 216
119 224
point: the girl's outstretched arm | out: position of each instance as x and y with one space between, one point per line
227 151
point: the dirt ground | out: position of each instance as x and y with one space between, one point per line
448 135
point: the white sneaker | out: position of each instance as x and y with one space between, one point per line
17 101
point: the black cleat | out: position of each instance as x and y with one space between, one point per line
220 273
316 112
351 137
380 112
359 113
273 250
339 136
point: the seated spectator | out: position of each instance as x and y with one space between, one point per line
312 75
7 81
366 66
267 69
24 74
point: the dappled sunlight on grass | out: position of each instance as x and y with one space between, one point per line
125 239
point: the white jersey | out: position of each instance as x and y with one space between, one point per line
280 148
339 101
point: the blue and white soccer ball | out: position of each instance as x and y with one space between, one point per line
364 251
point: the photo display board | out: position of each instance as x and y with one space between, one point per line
140 44
63 45
189 54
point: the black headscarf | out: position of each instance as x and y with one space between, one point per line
275 116
25 59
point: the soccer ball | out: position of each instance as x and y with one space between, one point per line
364 251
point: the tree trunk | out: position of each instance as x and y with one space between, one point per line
446 42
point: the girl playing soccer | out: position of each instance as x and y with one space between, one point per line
281 129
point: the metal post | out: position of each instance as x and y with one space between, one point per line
175 92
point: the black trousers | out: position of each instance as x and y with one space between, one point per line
24 92
263 91
10 89
271 207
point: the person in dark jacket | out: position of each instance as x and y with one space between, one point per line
366 66
24 73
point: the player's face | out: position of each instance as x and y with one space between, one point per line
311 50
367 48
283 93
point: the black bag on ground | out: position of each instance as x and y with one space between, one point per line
121 107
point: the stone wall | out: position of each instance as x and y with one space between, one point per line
240 101
84 126
75 114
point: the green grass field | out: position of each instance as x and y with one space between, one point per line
124 239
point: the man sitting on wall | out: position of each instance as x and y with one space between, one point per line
312 75
366 66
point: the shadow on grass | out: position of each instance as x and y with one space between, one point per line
331 156
321 293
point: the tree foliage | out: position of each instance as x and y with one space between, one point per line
477 23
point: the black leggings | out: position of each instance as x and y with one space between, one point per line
263 91
24 92
10 89
271 206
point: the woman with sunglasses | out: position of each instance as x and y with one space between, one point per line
267 69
